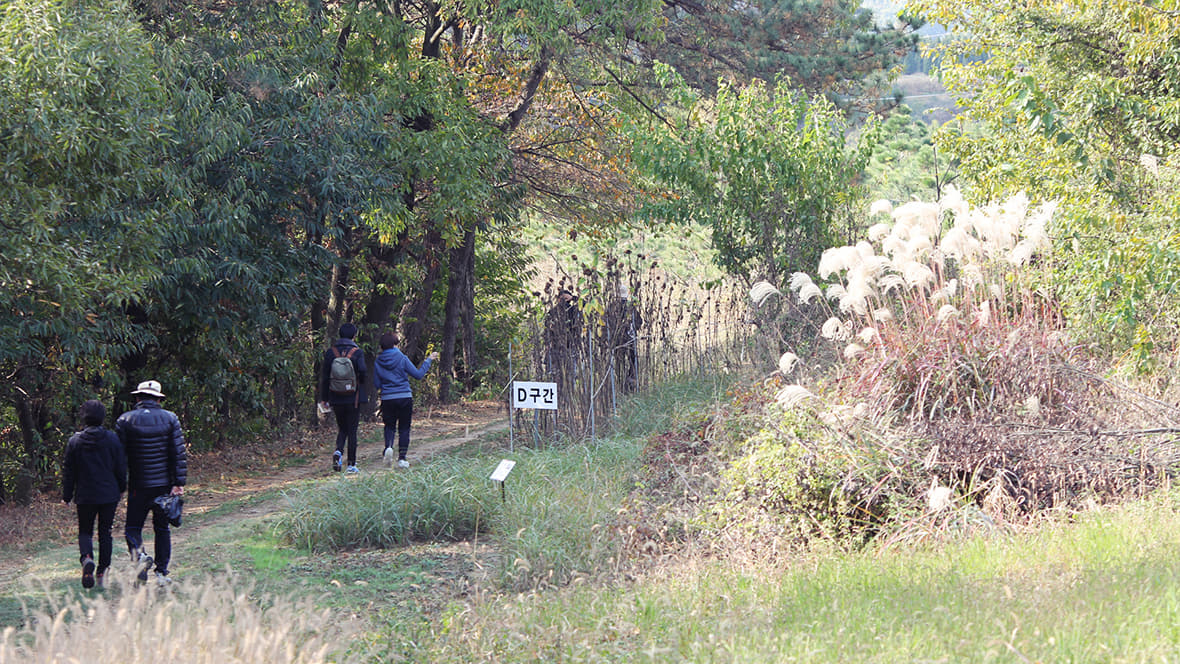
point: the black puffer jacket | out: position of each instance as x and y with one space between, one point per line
155 446
95 469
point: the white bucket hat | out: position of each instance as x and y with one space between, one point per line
151 388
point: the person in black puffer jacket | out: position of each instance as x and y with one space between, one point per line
157 466
94 475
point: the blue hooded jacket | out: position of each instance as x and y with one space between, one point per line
391 378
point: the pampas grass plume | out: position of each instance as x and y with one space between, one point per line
809 292
838 259
877 232
787 362
798 280
938 498
983 315
882 206
793 395
835 329
917 275
762 291
921 216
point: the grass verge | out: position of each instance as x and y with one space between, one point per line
1101 587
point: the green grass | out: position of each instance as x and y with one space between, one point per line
553 527
687 401
450 499
1100 589
548 519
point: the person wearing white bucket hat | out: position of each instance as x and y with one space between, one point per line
157 465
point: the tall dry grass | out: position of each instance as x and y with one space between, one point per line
931 307
680 328
208 621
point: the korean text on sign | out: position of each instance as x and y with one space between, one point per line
527 394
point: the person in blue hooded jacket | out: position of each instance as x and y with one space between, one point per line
391 381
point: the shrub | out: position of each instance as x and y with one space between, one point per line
445 500
954 352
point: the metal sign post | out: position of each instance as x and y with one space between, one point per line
511 417
531 394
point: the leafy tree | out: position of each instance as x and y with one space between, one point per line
82 117
767 168
1078 101
827 48
905 165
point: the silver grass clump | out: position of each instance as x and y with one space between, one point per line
953 256
762 291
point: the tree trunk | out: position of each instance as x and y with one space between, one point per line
467 313
456 289
415 312
30 420
382 304
378 317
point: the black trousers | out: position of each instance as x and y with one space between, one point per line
106 519
348 418
396 414
139 503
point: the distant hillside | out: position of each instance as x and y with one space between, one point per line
927 97
884 11
923 93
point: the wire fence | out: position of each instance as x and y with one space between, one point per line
618 332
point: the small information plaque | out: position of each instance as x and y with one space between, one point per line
501 472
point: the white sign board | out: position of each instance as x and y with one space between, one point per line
527 394
501 472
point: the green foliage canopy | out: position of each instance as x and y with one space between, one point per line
826 48
83 118
767 168
1080 101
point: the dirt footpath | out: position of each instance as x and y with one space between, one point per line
213 479
219 476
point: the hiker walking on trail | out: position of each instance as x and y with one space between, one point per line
391 380
94 476
157 466
342 386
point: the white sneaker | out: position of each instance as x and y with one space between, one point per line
353 470
388 457
162 580
402 463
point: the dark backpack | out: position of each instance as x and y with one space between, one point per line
342 373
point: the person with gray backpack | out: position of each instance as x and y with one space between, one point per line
342 387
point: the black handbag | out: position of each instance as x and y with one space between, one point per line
172 507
